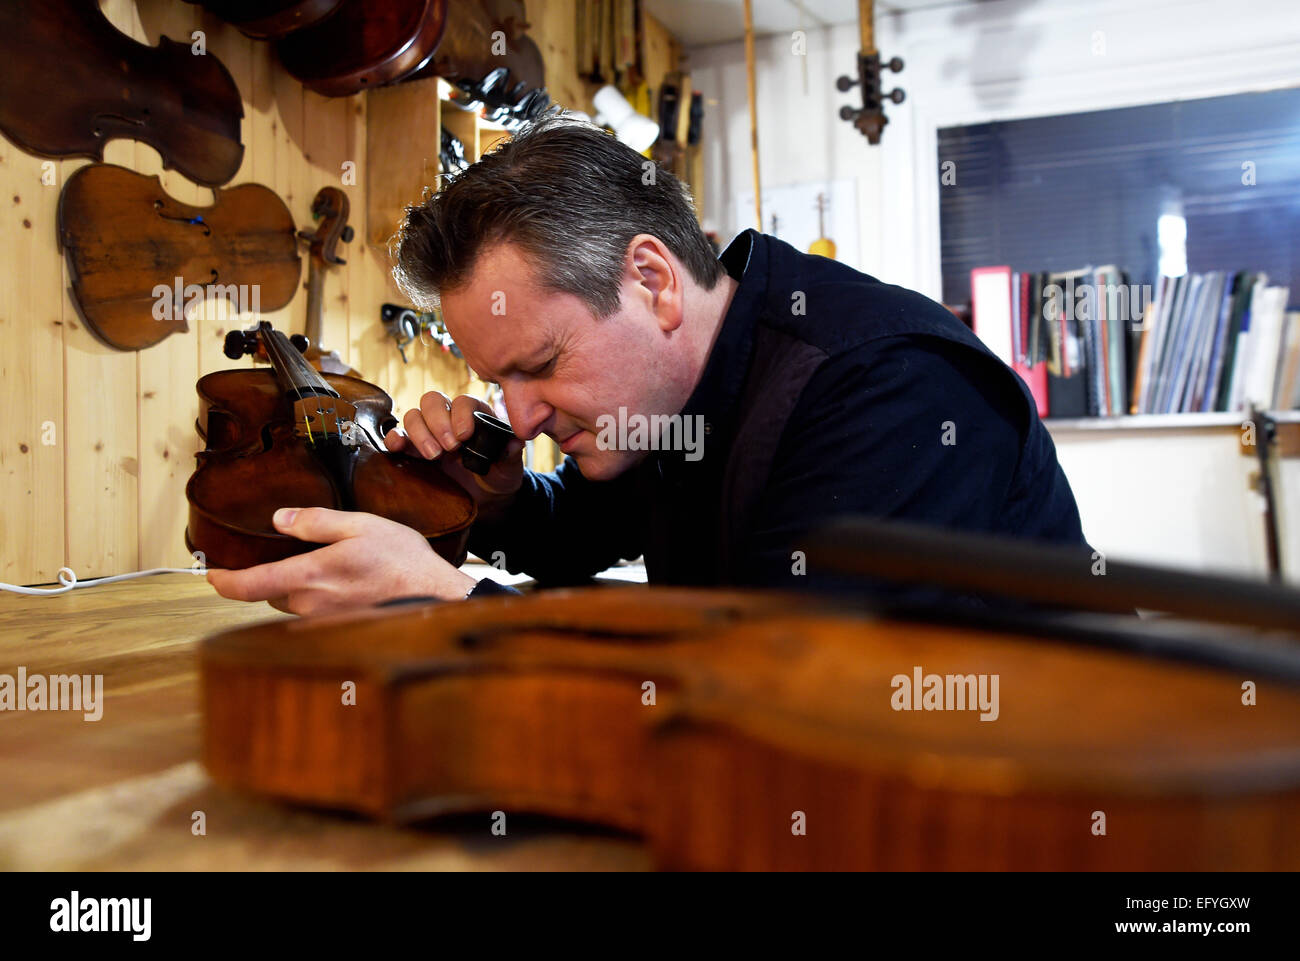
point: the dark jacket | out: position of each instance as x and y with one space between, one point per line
827 392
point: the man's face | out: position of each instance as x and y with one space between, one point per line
559 367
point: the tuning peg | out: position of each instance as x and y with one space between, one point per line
240 342
347 234
299 342
845 84
896 95
895 64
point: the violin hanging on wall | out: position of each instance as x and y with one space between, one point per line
486 55
137 257
870 118
330 207
270 19
291 436
70 82
364 44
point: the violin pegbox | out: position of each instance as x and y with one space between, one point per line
241 343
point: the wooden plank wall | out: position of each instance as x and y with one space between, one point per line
96 445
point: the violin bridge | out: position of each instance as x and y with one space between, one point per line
320 420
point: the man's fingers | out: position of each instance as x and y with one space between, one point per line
265 582
435 408
396 442
462 415
418 435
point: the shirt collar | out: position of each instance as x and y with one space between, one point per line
718 392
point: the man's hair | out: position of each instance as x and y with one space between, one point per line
571 197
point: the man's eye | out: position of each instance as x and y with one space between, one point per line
537 371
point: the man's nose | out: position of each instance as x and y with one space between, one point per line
528 412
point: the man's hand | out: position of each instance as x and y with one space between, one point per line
439 427
368 559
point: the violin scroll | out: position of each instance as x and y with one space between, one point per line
331 208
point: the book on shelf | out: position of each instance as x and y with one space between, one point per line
1089 343
1007 316
1220 343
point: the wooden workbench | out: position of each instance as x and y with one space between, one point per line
120 793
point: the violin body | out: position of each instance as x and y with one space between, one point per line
258 458
270 19
364 44
759 732
137 257
70 82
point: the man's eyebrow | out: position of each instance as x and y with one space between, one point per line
529 359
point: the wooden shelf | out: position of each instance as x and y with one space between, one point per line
403 122
1163 421
403 135
403 138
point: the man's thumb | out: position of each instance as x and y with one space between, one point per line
319 525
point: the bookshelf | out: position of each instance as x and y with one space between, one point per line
1181 490
1146 422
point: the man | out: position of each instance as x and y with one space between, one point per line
787 388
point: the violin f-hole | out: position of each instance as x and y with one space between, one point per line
197 219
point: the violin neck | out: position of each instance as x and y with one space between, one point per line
315 296
297 378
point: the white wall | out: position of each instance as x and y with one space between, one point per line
968 63
801 138
1177 498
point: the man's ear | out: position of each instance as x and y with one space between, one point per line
656 277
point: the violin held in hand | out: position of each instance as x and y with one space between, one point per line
289 436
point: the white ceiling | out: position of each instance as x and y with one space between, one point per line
700 22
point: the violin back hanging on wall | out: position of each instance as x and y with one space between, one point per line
137 257
70 82
363 45
269 19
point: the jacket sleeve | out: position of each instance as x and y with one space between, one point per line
487 587
563 529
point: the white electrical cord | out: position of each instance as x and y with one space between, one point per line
68 578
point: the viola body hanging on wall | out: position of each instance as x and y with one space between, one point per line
138 258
